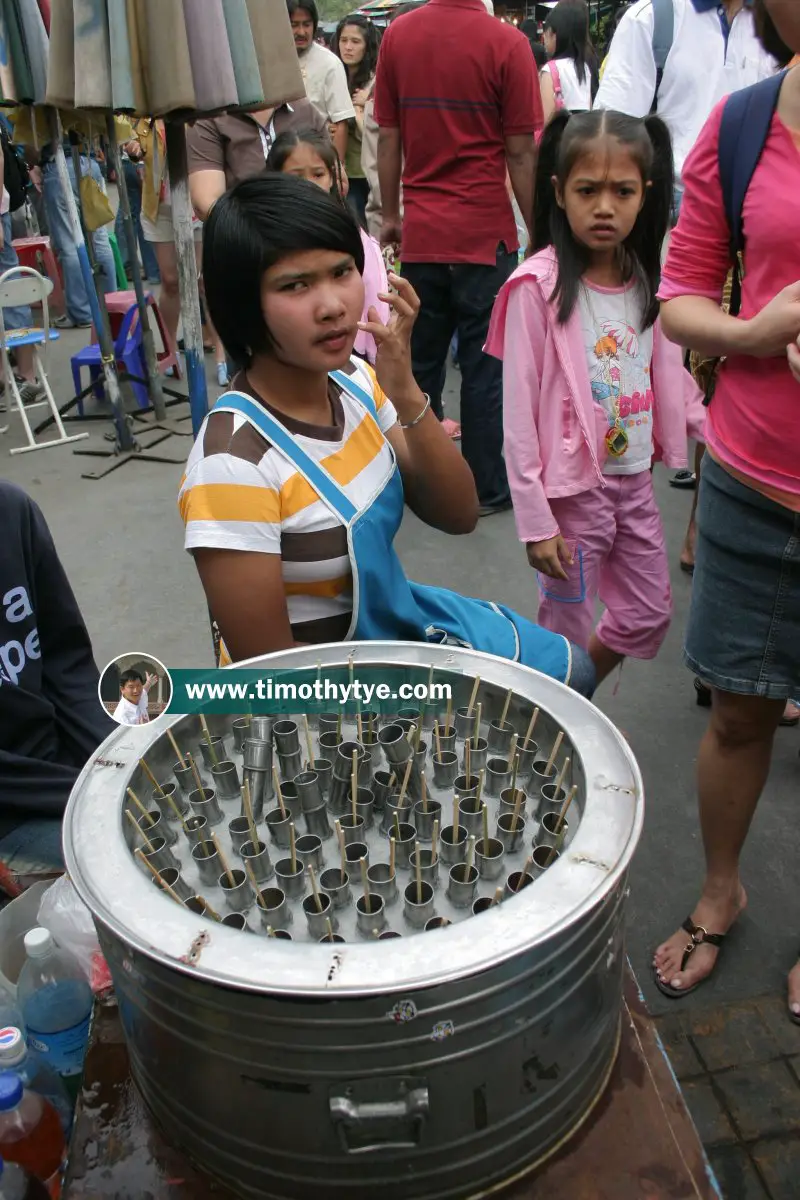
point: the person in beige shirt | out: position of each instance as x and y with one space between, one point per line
323 73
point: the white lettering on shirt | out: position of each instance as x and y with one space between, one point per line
17 605
15 654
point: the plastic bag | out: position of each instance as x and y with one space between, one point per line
15 920
66 916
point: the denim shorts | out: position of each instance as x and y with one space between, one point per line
744 622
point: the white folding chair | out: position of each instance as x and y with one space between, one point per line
23 285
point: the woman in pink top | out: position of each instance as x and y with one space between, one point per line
744 627
310 155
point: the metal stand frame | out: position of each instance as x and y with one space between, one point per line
154 384
182 217
126 447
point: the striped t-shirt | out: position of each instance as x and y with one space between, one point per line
240 493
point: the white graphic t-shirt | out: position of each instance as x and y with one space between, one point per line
620 355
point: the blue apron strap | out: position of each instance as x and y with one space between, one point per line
319 479
351 384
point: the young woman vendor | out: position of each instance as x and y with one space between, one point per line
295 487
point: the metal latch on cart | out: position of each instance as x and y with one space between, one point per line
380 1114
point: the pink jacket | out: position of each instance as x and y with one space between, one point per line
554 431
375 280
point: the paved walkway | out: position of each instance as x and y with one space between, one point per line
121 543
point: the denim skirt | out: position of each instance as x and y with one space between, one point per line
744 622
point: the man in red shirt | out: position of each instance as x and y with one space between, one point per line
457 101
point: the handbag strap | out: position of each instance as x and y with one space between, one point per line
556 78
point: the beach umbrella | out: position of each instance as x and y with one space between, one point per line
171 58
174 59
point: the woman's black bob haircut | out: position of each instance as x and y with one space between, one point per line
250 229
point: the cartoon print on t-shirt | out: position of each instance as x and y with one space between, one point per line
619 360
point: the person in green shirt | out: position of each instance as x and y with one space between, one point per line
356 43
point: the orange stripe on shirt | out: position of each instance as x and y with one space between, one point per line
321 587
361 448
230 502
363 445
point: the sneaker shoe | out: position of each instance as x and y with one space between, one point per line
223 378
684 479
488 510
65 322
30 393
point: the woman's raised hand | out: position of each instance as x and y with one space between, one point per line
393 340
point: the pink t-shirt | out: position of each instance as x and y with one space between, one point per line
754 418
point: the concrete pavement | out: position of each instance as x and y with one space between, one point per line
121 543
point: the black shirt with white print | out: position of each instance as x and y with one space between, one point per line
51 719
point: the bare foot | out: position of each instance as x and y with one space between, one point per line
717 916
687 550
794 990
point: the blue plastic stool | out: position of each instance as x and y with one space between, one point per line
129 353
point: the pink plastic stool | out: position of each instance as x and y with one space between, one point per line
37 252
119 305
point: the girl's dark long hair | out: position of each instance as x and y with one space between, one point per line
569 22
769 37
366 68
565 140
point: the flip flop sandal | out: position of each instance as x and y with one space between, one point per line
684 479
686 567
699 935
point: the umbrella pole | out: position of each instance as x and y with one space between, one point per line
125 440
177 164
153 373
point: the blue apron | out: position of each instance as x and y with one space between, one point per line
386 605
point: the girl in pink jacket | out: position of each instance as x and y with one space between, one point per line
592 391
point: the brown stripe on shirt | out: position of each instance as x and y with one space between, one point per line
326 629
315 546
246 443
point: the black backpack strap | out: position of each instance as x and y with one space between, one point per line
663 37
746 121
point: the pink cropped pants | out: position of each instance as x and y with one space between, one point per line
616 536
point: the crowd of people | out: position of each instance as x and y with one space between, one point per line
572 224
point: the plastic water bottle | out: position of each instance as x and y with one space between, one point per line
30 1133
9 1009
36 1074
17 1184
56 1004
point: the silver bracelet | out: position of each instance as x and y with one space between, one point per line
419 416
